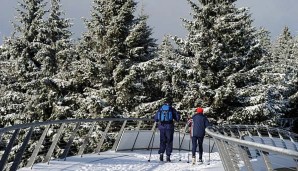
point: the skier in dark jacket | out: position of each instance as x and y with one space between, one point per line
197 124
166 128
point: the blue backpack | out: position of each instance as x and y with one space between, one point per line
165 114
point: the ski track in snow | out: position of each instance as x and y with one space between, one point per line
130 161
140 162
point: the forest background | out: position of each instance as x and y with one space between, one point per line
116 69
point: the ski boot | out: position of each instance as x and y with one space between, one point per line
161 157
168 159
193 160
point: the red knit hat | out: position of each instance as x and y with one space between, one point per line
200 110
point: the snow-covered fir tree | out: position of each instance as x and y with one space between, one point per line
223 44
32 53
175 75
132 89
160 79
293 99
264 40
250 104
281 76
283 47
60 53
114 42
59 47
271 84
21 53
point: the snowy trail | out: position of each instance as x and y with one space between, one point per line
129 161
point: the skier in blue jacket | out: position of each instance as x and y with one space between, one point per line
197 124
166 128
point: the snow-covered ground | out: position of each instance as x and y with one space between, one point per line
130 161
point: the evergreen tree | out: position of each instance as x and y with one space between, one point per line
32 54
282 75
264 40
115 41
272 84
21 53
28 38
59 53
130 89
223 44
250 104
162 78
293 99
58 49
179 74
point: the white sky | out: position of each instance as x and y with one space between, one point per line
165 15
130 161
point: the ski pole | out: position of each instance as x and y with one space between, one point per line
188 150
185 128
152 144
209 150
179 143
188 142
212 147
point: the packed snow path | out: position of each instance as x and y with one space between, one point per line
130 161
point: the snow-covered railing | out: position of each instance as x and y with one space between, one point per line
26 144
255 147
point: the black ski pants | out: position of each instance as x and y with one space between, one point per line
197 141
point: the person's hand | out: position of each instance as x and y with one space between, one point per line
189 121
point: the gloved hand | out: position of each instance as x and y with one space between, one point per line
189 122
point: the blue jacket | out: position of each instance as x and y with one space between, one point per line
198 123
169 125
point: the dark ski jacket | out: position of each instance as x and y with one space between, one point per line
197 124
167 125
